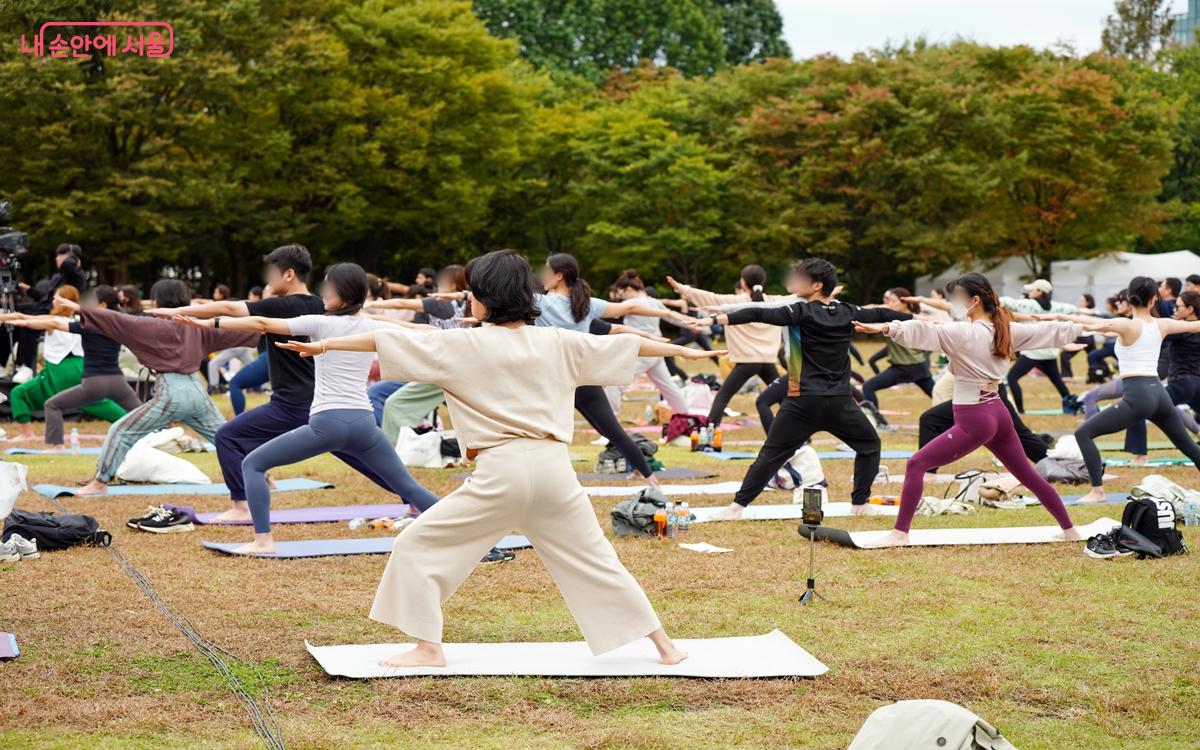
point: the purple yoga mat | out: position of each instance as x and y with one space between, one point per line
324 514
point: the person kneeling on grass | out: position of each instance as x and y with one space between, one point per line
510 388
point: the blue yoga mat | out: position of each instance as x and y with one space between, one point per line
823 455
376 545
40 452
216 488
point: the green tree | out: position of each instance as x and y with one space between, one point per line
1138 29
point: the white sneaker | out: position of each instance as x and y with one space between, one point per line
22 375
733 414
26 548
8 552
600 441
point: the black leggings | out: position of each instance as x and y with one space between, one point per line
875 358
895 375
1023 365
701 339
798 419
592 403
775 394
1145 398
938 418
1064 357
741 373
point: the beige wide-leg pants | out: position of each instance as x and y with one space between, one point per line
529 486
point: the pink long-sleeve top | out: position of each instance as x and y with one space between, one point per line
975 368
748 342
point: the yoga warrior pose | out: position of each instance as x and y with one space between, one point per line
818 394
519 428
908 365
174 352
1138 341
101 389
1045 359
753 347
631 288
979 352
340 419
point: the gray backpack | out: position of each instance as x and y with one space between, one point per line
635 516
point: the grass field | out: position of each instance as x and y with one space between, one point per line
1058 650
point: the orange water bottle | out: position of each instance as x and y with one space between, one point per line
695 440
717 440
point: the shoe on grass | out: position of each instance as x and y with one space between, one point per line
497 555
163 521
8 552
26 548
1104 546
150 511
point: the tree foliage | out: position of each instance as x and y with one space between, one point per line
1138 29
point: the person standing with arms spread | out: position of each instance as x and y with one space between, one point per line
818 395
518 428
979 350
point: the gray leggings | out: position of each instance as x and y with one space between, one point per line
1145 398
351 431
90 390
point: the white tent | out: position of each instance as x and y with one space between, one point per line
1100 277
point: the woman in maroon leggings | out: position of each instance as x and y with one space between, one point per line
980 349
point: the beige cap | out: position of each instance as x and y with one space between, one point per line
1041 285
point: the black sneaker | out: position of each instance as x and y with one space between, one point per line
150 511
497 555
163 521
1104 546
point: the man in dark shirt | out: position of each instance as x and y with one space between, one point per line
40 298
286 273
818 395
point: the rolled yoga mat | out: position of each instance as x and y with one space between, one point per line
770 655
320 514
375 545
216 488
951 537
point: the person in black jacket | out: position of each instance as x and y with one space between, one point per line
38 301
818 396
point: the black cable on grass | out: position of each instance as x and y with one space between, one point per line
261 718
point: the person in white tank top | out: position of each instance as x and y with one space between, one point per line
1139 339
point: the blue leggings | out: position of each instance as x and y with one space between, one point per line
252 375
351 431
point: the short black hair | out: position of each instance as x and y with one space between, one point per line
1174 284
818 269
1194 279
349 280
427 272
69 248
294 257
255 291
170 293
503 282
106 294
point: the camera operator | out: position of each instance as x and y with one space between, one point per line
37 300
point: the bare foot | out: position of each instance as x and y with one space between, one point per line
94 487
668 653
257 547
1140 461
239 513
1069 535
424 654
894 538
731 512
651 480
54 448
271 483
867 509
1096 495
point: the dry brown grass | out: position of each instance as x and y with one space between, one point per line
1057 649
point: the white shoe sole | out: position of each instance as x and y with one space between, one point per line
32 556
169 529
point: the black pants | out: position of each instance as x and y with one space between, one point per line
701 339
1098 368
1145 398
875 358
592 403
1064 357
798 419
1181 391
854 352
741 373
895 375
1024 365
937 419
24 340
775 394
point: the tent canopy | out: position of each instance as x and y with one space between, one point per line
1101 277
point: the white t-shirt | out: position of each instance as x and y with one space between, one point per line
60 344
646 323
341 377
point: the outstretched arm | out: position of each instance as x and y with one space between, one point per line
252 324
621 309
652 348
1170 326
224 308
43 323
361 342
395 304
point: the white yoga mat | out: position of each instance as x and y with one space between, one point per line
770 655
788 512
949 537
717 488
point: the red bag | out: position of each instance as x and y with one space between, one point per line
682 425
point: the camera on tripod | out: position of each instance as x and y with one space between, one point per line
13 244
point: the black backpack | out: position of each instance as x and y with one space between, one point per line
1148 528
53 532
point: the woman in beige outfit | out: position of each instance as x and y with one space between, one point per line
510 387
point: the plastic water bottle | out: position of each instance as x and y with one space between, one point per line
1191 514
75 441
672 521
357 523
685 520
